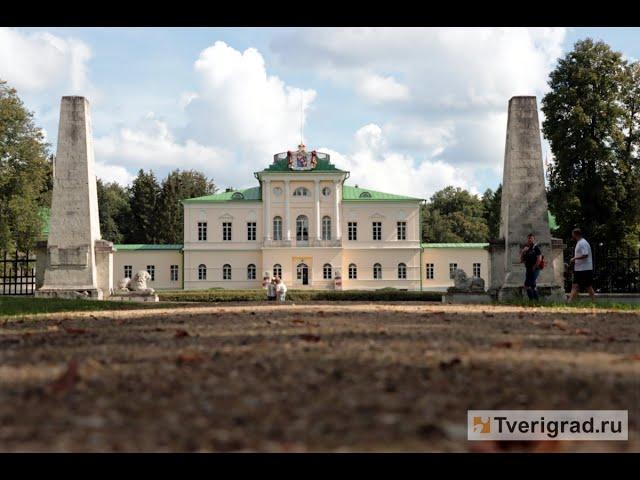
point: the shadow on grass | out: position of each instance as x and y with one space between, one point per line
11 306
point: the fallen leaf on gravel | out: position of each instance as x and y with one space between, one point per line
560 324
507 446
75 331
297 320
635 357
67 380
189 357
53 328
448 364
307 337
583 331
181 333
506 344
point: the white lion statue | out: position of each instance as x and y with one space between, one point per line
137 284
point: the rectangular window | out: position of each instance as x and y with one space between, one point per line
452 268
128 271
402 230
226 231
174 273
430 271
202 231
251 231
352 230
151 270
377 230
326 272
476 270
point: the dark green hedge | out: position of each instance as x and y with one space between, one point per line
383 295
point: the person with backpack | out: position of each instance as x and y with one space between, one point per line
531 256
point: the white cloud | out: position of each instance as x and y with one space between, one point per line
237 118
453 84
379 89
241 107
458 68
41 61
151 145
373 165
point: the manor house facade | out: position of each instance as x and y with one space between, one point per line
304 224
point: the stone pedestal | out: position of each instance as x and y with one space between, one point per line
524 210
78 263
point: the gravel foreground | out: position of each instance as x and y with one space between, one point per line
313 377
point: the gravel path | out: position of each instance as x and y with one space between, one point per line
315 377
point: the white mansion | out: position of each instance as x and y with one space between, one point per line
305 225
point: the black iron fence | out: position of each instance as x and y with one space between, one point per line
17 273
613 272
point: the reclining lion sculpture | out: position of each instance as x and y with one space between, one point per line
137 284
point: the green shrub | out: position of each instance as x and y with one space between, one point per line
382 295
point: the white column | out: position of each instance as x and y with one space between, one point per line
336 212
317 212
287 221
266 205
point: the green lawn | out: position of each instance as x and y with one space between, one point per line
10 306
599 304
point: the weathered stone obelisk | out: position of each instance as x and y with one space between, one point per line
524 209
78 263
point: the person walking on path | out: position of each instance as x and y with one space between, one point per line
582 267
531 256
271 290
281 289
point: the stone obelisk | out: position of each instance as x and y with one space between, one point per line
78 263
524 209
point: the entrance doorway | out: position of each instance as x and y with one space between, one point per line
302 274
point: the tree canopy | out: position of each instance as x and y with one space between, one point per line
454 215
592 124
25 173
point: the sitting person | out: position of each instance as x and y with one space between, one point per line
271 290
281 289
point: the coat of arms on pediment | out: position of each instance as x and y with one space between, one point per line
301 159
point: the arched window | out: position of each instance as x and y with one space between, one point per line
326 228
326 271
402 271
301 192
226 272
251 272
237 196
277 228
377 271
353 271
365 195
277 270
302 228
202 272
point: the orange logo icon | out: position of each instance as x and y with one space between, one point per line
481 426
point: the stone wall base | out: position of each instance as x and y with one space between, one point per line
547 293
86 294
134 298
466 298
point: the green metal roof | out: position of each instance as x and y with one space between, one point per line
454 245
248 194
147 246
357 194
282 166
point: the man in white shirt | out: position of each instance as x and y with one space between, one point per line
582 266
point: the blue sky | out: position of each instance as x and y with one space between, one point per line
406 110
